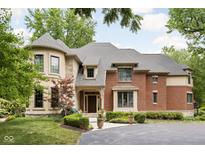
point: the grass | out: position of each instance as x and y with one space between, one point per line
37 130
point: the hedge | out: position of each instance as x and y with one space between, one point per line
77 120
114 115
143 115
164 115
119 120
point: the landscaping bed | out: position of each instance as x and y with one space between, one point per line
140 117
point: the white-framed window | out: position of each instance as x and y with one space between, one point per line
154 97
154 79
39 61
125 74
189 97
90 72
55 65
125 99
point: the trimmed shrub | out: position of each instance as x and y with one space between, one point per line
77 120
165 115
119 120
114 115
140 117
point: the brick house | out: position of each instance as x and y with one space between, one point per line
111 78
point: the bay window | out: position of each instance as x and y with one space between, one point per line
125 99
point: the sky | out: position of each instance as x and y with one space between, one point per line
151 38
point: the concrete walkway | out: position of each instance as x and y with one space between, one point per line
93 122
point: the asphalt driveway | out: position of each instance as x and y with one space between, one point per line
148 134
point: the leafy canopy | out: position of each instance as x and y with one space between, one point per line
62 24
18 75
190 22
126 17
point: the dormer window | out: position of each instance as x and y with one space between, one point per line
154 79
90 72
125 74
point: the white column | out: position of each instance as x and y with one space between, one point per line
102 97
115 100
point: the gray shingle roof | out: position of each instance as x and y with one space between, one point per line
106 54
91 61
47 41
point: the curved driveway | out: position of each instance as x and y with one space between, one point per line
140 134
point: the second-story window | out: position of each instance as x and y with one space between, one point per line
55 64
90 72
189 78
125 74
154 79
39 62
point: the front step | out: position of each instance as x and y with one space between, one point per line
90 115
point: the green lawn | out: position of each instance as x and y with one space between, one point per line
36 130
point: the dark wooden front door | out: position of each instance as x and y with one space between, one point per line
92 104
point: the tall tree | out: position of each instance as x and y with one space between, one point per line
197 63
62 24
190 22
126 16
18 75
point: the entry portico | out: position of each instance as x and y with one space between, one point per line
90 99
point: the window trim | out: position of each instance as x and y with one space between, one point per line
125 67
154 92
132 92
42 63
51 64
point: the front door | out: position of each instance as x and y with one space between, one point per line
92 104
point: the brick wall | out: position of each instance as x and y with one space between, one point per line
169 98
139 80
111 81
177 98
161 89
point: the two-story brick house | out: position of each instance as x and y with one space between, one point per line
111 78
